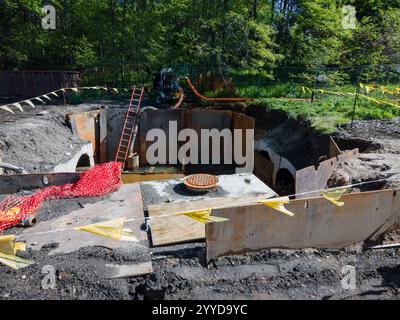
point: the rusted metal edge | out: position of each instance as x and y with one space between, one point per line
14 183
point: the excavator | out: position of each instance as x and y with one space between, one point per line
166 89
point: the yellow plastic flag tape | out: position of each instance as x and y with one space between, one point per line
8 246
18 106
30 103
203 216
14 262
368 88
7 109
334 196
8 249
127 235
111 228
277 204
38 99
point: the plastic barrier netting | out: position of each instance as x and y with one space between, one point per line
97 181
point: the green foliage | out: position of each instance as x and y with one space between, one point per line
124 41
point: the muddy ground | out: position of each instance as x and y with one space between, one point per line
180 271
379 142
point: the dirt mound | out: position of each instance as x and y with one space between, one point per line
380 144
39 142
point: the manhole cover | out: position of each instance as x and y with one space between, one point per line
201 182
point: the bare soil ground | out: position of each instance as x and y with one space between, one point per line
39 139
379 141
180 271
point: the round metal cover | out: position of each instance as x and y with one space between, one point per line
201 182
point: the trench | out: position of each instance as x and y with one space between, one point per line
289 156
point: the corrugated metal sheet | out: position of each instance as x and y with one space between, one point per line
34 83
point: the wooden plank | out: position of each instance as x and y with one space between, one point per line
176 229
113 271
317 223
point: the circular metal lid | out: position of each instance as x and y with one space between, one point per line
201 182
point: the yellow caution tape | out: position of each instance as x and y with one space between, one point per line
305 89
6 109
14 262
30 103
8 249
334 196
38 99
277 204
8 246
18 106
54 93
111 229
351 94
203 216
385 90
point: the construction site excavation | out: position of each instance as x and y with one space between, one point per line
199 150
309 205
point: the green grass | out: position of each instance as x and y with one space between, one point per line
325 114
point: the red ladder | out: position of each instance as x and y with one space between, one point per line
130 128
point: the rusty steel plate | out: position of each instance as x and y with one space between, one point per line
201 182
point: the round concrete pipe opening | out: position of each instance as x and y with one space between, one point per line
285 182
83 163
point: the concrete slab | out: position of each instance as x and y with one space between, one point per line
126 202
170 197
229 186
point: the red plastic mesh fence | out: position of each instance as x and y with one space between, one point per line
97 181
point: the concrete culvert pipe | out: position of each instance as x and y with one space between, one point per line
10 166
148 108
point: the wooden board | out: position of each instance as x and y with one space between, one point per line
175 229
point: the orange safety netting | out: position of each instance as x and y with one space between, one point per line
97 181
